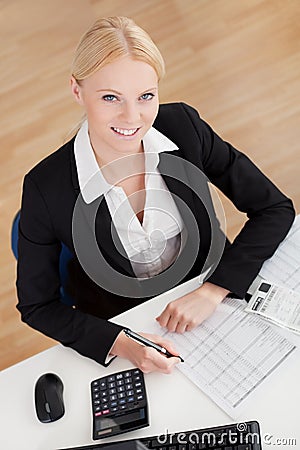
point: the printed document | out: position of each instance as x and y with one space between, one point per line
276 291
278 304
230 354
233 352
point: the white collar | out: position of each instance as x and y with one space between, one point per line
91 180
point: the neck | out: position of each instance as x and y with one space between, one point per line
117 166
106 155
104 158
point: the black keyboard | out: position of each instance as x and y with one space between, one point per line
238 436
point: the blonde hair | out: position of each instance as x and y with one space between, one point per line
111 38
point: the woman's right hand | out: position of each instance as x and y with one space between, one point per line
147 359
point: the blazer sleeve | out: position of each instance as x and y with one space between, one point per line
38 285
270 213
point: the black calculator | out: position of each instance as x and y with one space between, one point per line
119 403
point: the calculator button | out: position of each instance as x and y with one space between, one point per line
117 394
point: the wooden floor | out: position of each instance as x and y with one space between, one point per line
236 61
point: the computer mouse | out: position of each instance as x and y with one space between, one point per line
48 396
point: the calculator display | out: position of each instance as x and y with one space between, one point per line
126 418
119 403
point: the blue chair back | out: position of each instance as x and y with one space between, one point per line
65 256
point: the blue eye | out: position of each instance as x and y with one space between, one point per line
147 96
109 98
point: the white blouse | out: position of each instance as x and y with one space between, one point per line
153 245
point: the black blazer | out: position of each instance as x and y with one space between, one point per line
50 192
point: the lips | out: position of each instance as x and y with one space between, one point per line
125 131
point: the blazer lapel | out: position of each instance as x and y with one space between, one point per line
111 245
172 168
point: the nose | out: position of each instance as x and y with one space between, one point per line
130 113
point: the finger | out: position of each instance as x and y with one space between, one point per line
172 323
181 327
152 361
163 364
191 326
169 346
163 318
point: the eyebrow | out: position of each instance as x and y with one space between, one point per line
119 93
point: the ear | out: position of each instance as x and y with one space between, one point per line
76 90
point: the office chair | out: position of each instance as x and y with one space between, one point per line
65 256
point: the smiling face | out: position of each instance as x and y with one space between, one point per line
121 103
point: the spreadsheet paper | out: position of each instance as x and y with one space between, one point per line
230 354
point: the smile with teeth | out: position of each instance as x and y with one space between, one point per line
125 132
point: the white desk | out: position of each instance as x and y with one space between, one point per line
175 403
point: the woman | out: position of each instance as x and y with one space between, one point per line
128 196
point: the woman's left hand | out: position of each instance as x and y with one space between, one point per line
187 312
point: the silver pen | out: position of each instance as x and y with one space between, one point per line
148 343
